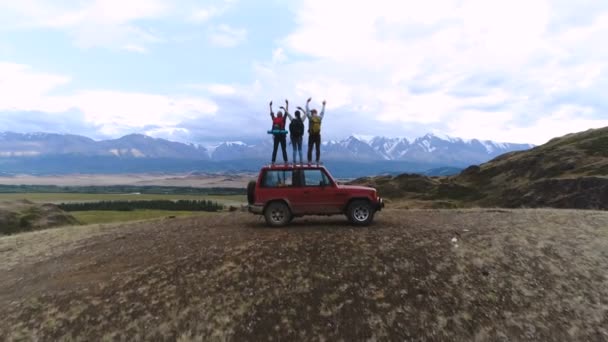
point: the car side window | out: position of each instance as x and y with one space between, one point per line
315 178
277 179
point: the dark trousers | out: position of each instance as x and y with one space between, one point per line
282 139
296 143
314 139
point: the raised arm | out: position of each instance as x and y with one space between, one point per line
271 112
307 109
322 110
303 114
286 110
287 115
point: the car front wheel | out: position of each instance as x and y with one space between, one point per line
277 214
360 213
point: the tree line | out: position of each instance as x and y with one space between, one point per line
122 189
182 205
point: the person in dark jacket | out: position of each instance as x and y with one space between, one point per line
296 134
296 131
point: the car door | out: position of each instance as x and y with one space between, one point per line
319 194
278 184
335 198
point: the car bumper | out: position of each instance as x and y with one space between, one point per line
379 204
256 209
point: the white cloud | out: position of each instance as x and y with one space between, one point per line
22 88
565 120
221 89
135 48
475 68
216 88
110 108
203 14
227 36
105 23
278 55
114 112
209 11
516 71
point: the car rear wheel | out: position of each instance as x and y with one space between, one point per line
277 214
360 213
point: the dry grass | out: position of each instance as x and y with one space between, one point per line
58 198
109 216
414 275
202 181
38 246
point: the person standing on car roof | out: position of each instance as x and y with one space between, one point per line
279 133
314 130
296 132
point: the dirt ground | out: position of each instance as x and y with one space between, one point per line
415 275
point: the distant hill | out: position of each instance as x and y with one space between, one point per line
20 216
567 172
43 153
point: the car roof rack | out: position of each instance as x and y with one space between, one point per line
291 165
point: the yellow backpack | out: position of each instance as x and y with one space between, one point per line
315 125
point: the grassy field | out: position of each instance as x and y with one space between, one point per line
67 197
416 275
107 216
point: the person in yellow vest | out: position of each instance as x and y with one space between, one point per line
314 130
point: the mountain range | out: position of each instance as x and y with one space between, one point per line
429 148
44 153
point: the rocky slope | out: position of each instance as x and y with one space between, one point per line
567 172
414 275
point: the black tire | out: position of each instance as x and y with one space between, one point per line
277 214
251 192
360 213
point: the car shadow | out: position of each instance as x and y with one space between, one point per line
313 222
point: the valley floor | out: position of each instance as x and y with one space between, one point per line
428 275
135 179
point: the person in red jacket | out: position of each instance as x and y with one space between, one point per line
278 127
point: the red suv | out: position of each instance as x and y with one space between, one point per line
284 192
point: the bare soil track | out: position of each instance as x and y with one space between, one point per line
424 275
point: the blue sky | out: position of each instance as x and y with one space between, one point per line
204 71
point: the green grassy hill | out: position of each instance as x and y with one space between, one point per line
567 172
20 216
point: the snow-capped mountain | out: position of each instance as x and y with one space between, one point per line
129 146
430 148
34 144
234 150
